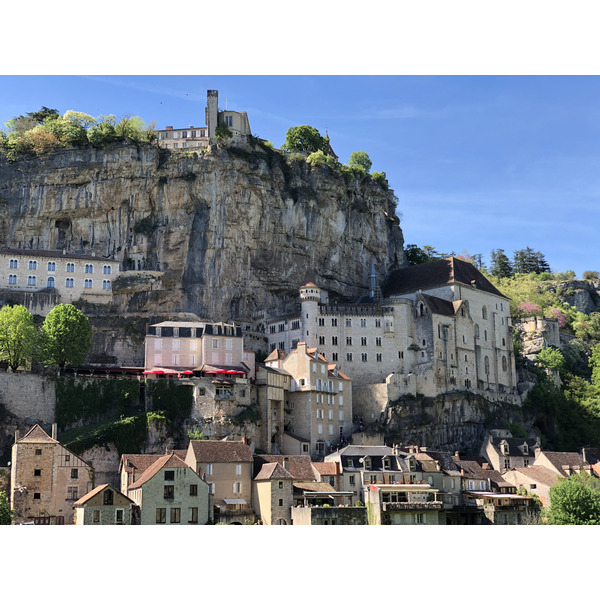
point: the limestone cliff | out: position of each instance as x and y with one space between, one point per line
221 234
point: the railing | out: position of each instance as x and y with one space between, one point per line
391 506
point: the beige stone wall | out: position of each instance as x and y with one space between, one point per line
225 478
273 500
28 396
63 478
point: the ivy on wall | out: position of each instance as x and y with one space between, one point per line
91 399
167 397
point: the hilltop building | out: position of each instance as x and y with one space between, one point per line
200 137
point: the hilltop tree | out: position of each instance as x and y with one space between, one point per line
17 336
66 336
360 159
304 138
417 256
529 261
501 265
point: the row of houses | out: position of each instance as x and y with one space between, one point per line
224 482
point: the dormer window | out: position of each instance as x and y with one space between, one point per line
367 463
525 448
504 448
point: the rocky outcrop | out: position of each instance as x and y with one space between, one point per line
222 234
583 294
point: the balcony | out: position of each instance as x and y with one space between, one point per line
397 506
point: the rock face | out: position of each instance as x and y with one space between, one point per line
584 295
222 234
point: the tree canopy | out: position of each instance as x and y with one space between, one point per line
360 159
6 513
66 336
575 501
303 138
17 336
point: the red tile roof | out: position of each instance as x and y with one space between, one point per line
168 461
214 451
37 434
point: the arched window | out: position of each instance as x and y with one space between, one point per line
50 282
421 309
484 312
476 330
504 364
31 280
486 365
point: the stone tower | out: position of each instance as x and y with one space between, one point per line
310 296
212 112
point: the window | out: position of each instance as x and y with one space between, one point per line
106 284
363 322
69 282
334 340
31 280
321 340
363 357
348 322
37 472
215 343
67 458
169 492
485 335
106 269
193 514
33 265
349 356
378 341
14 263
193 489
50 282
363 341
161 515
486 365
320 413
237 487
89 268
175 515
334 322
51 266
504 364
96 516
484 312
352 480
87 283
348 341
74 473
72 493
12 280
229 121
209 469
38 451
419 518
70 267
169 475
119 517
238 469
321 322
108 498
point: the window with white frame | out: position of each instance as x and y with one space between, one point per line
50 282
106 270
106 284
12 279
70 267
31 280
33 265
209 469
13 263
89 268
87 283
237 487
52 266
69 282
238 469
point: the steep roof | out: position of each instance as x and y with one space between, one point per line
140 462
272 471
38 435
277 354
215 451
515 445
564 459
316 486
298 466
168 461
97 490
435 274
429 461
440 306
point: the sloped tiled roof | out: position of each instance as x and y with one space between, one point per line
299 467
325 468
539 473
560 459
215 451
97 490
140 462
277 354
435 274
168 461
317 486
430 460
272 471
38 435
439 306
515 445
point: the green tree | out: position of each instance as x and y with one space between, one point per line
501 265
360 159
551 358
575 501
66 336
417 256
17 336
594 363
6 514
103 131
222 132
303 138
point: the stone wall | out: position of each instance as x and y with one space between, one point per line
28 397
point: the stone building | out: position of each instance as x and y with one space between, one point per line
46 479
318 399
226 467
104 505
170 492
430 329
67 276
200 137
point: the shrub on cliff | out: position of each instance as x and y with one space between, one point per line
17 336
303 138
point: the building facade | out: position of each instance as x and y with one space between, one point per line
71 276
104 505
46 479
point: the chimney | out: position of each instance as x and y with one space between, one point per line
16 436
169 127
54 428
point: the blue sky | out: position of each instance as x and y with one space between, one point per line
477 162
